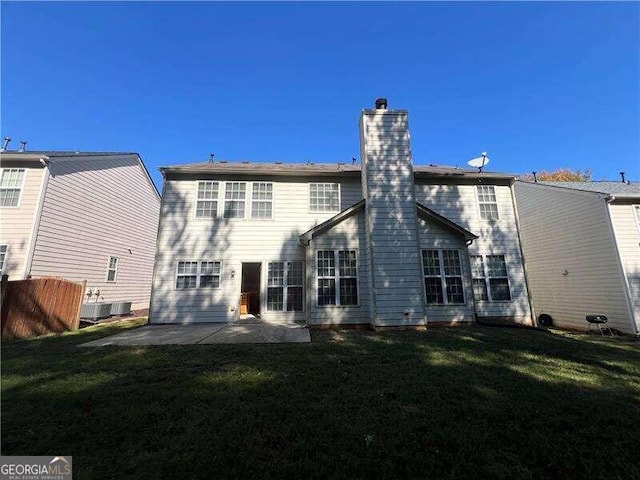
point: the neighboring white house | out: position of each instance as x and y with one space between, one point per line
382 244
80 216
581 242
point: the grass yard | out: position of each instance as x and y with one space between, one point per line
475 402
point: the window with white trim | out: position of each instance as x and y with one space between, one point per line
3 257
112 269
284 286
337 286
487 202
235 194
262 200
11 183
490 278
207 199
442 272
198 274
324 197
636 208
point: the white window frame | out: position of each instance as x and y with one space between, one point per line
217 199
336 277
198 275
482 202
262 201
114 270
244 200
285 285
21 188
311 210
487 278
636 210
4 255
443 276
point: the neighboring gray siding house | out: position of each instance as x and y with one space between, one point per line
581 241
80 216
383 244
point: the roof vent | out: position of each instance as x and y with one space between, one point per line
211 159
223 161
353 160
5 145
278 163
245 162
622 176
381 103
23 146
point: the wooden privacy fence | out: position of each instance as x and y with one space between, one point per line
40 306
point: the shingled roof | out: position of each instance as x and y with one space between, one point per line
281 168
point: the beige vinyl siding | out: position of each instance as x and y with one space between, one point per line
231 241
459 203
95 208
17 223
567 231
347 235
391 219
434 237
627 233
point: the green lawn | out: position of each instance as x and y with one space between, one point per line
475 402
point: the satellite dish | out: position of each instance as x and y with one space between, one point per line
479 162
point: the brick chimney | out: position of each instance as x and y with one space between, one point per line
391 217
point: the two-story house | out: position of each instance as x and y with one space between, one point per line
582 245
81 216
384 243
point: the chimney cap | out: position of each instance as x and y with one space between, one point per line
381 103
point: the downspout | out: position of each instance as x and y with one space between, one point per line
36 220
470 280
155 256
307 289
627 293
534 321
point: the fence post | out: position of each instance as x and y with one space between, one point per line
80 302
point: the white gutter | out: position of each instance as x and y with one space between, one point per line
37 217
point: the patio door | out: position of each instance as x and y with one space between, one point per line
250 289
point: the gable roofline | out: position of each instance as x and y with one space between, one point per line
572 188
52 155
307 236
428 214
423 212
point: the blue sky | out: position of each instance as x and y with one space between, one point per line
536 85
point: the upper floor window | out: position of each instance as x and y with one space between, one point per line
235 194
11 183
337 286
637 210
112 269
442 271
198 274
262 200
487 201
3 256
207 199
490 279
324 197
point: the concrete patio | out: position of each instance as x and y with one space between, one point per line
205 334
